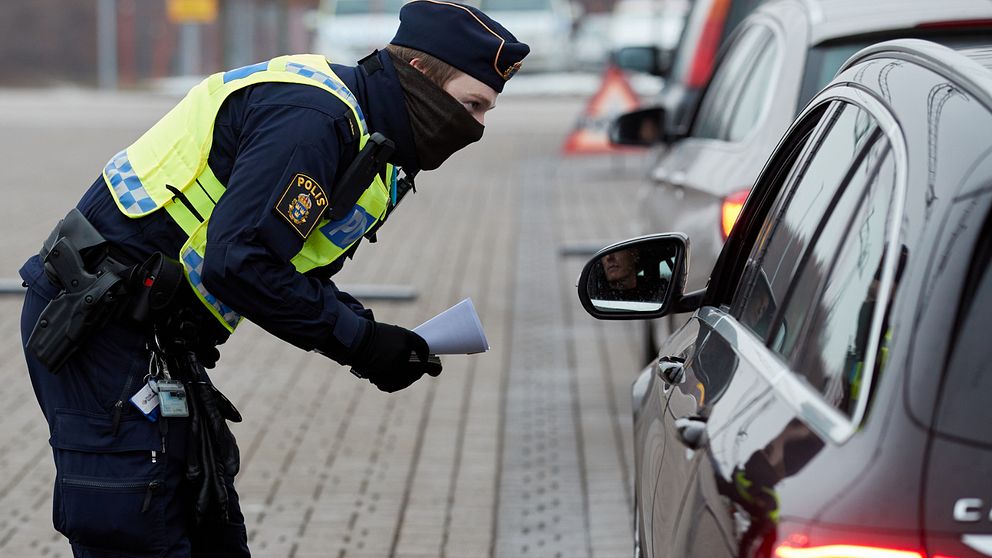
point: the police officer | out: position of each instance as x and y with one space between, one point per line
241 202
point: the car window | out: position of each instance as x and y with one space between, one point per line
839 327
727 81
694 26
825 59
739 9
751 102
729 279
965 411
804 200
822 64
816 261
705 16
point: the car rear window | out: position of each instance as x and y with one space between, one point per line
690 36
696 25
739 9
982 55
965 411
826 59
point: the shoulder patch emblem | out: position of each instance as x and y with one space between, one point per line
302 204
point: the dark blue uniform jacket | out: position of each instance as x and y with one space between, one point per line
263 136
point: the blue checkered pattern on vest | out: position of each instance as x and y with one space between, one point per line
126 184
335 86
194 268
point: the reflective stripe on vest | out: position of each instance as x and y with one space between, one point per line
167 168
127 187
193 262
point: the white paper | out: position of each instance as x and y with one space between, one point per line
456 331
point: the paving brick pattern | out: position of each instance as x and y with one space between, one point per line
523 451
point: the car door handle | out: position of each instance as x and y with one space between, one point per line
663 175
671 369
692 431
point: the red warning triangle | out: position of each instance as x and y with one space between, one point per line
615 97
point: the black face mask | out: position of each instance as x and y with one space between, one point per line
440 124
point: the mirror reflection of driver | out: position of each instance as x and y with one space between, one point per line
623 278
621 269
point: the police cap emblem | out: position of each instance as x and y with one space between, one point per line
302 204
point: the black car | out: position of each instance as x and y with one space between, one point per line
831 396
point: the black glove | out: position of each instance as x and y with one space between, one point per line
393 358
212 457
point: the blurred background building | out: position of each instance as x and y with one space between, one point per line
130 43
55 41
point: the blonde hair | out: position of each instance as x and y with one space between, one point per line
436 70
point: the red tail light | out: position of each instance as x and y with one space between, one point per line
843 551
709 43
731 210
796 540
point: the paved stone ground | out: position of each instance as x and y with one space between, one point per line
522 451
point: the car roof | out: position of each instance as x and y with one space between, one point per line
834 19
971 67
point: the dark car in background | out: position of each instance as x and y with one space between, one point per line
775 61
688 69
829 396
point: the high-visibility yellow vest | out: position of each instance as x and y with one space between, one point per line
168 164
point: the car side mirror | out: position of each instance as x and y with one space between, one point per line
644 59
645 127
636 279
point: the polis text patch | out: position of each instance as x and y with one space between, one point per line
302 204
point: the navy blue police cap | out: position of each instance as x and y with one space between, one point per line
462 36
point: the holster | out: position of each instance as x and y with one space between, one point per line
97 283
90 293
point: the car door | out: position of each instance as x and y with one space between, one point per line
650 441
719 376
691 387
756 436
716 373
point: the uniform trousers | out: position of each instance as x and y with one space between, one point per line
120 487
